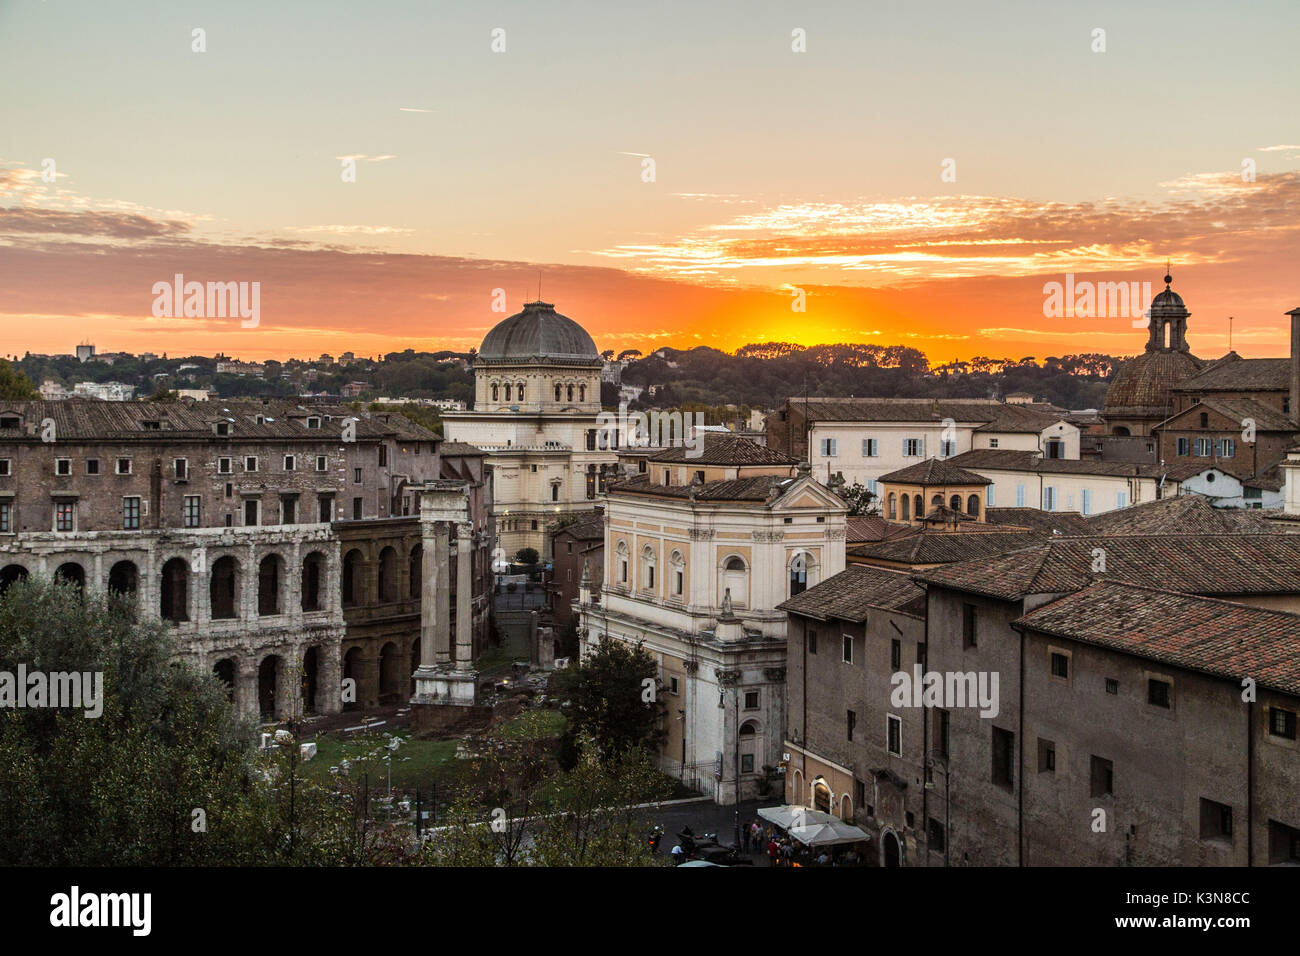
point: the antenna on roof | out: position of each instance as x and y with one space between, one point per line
1229 333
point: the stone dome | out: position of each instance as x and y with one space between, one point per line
539 334
1141 387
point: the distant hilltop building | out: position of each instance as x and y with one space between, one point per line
104 391
85 352
53 391
231 367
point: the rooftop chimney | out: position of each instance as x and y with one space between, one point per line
1295 364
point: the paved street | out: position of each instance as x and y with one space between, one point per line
706 816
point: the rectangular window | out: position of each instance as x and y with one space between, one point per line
674 686
325 508
1184 447
192 511
1160 693
1004 755
894 730
63 466
383 456
968 624
746 763
223 466
988 497
1085 505
65 516
993 443
1046 756
679 582
1216 820
356 509
124 466
1112 685
1060 665
356 476
6 466
1121 499
913 447
1055 448
870 448
288 511
935 837
250 463
6 517
131 514
322 463
1020 496
1281 723
895 655
250 512
851 723
947 447
288 462
180 468
1102 777
1203 446
1228 448
829 447
92 466
848 649
812 642
1049 498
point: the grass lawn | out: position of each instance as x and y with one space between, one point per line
417 763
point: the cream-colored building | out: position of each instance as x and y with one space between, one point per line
536 402
699 551
1021 479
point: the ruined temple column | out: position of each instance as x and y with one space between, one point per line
246 688
435 599
464 596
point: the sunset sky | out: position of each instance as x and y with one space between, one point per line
773 170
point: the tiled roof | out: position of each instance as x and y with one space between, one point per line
461 449
856 591
1035 519
724 449
1233 373
862 528
758 488
590 526
1206 564
1008 459
942 514
942 547
1028 419
1141 386
934 471
969 411
1265 417
1220 638
1184 514
90 420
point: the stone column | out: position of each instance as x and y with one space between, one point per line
329 681
246 688
435 602
464 596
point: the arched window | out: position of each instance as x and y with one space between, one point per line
268 586
388 583
937 501
313 577
973 506
495 395
798 575
174 597
622 562
920 507
893 506
557 393
648 568
679 573
507 391
1205 420
519 390
735 577
907 508
570 393
582 393
352 573
223 587
955 503
821 796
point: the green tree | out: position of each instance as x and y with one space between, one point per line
14 384
528 556
615 697
858 498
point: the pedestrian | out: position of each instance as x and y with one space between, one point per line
677 855
772 851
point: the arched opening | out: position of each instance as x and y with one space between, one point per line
648 568
892 851
388 576
352 672
569 392
821 796
415 575
582 393
71 573
973 506
1121 431
557 393
907 508
389 679
846 808
798 574
11 574
352 573
955 503
892 513
313 578
735 578
520 389
223 586
224 670
268 676
749 747
123 579
268 585
495 393
174 602
310 675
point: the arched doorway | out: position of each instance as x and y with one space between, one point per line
11 574
890 849
71 573
821 796
223 587
313 576
224 670
268 586
174 593
352 672
268 676
123 579
310 671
